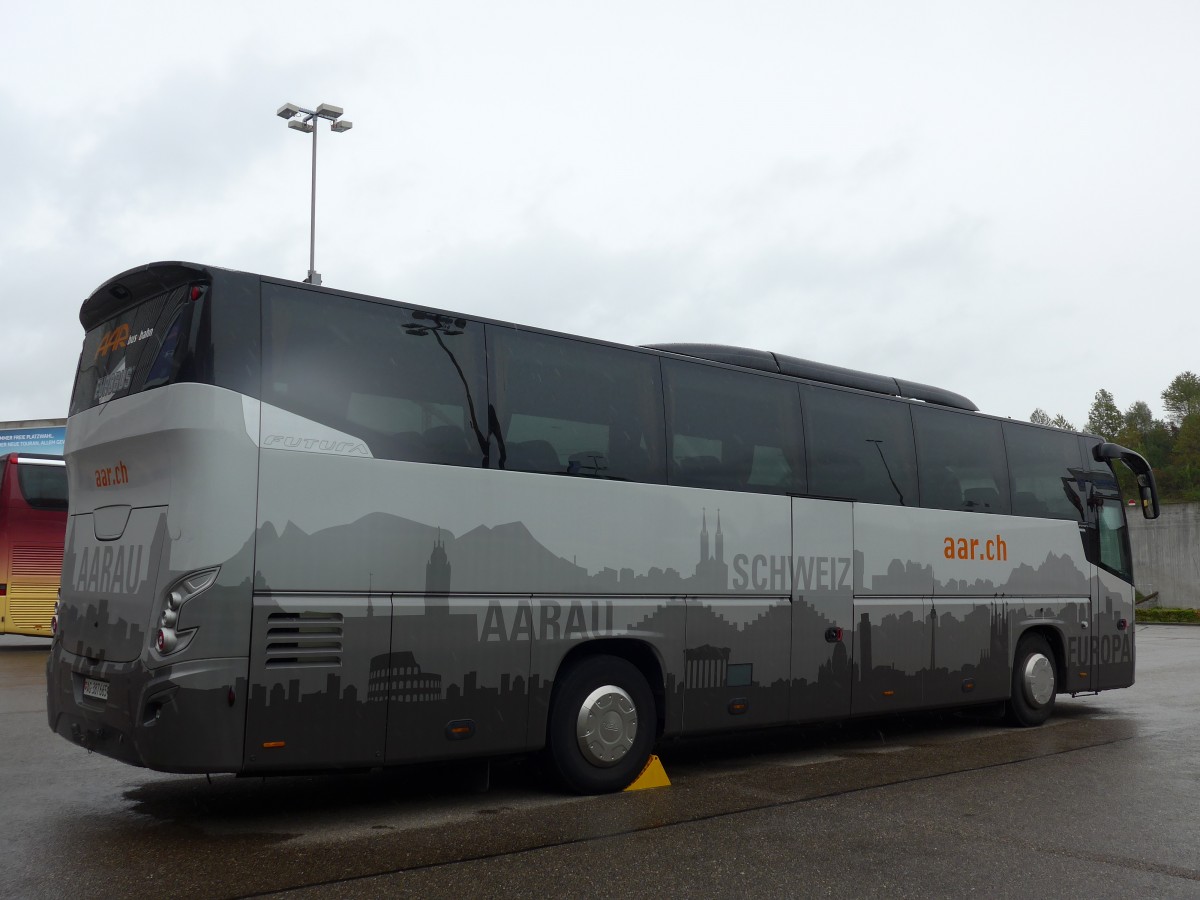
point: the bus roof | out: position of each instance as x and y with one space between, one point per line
780 364
141 282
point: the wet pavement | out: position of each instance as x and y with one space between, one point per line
1102 801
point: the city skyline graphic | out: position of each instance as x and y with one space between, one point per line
490 660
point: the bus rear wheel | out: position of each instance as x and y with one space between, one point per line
601 726
1034 682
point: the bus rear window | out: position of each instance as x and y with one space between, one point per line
134 351
43 486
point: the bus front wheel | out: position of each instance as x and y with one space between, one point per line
1034 682
601 725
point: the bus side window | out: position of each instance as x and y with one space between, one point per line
960 461
1114 540
732 430
860 446
1044 465
569 407
409 383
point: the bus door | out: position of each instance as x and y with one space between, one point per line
1112 651
822 567
1107 546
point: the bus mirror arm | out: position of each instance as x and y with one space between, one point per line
1147 489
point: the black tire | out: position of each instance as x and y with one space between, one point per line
1034 682
602 725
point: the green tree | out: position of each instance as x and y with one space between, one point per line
1104 419
1040 417
1182 397
1185 464
1138 420
1151 437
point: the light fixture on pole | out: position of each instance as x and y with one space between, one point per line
308 124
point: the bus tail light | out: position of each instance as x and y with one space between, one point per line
166 640
169 638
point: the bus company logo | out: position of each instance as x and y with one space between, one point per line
990 550
141 336
315 445
113 340
115 381
112 476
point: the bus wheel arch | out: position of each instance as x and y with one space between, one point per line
603 721
1054 638
1036 676
639 653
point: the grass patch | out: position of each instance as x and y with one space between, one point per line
1186 616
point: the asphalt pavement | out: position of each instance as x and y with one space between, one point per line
1102 801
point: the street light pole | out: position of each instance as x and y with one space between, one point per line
332 114
314 277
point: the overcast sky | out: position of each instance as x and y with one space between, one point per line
996 198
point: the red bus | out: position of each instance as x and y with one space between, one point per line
33 523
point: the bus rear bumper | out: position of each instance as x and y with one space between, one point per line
189 717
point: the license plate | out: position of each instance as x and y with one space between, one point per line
97 690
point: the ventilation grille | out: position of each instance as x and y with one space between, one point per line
45 562
42 591
32 614
304 640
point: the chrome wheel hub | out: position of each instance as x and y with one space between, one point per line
1037 680
606 726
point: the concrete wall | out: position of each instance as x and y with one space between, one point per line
1166 554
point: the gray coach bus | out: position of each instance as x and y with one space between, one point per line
315 530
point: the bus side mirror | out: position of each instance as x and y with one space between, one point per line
1149 495
1147 489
